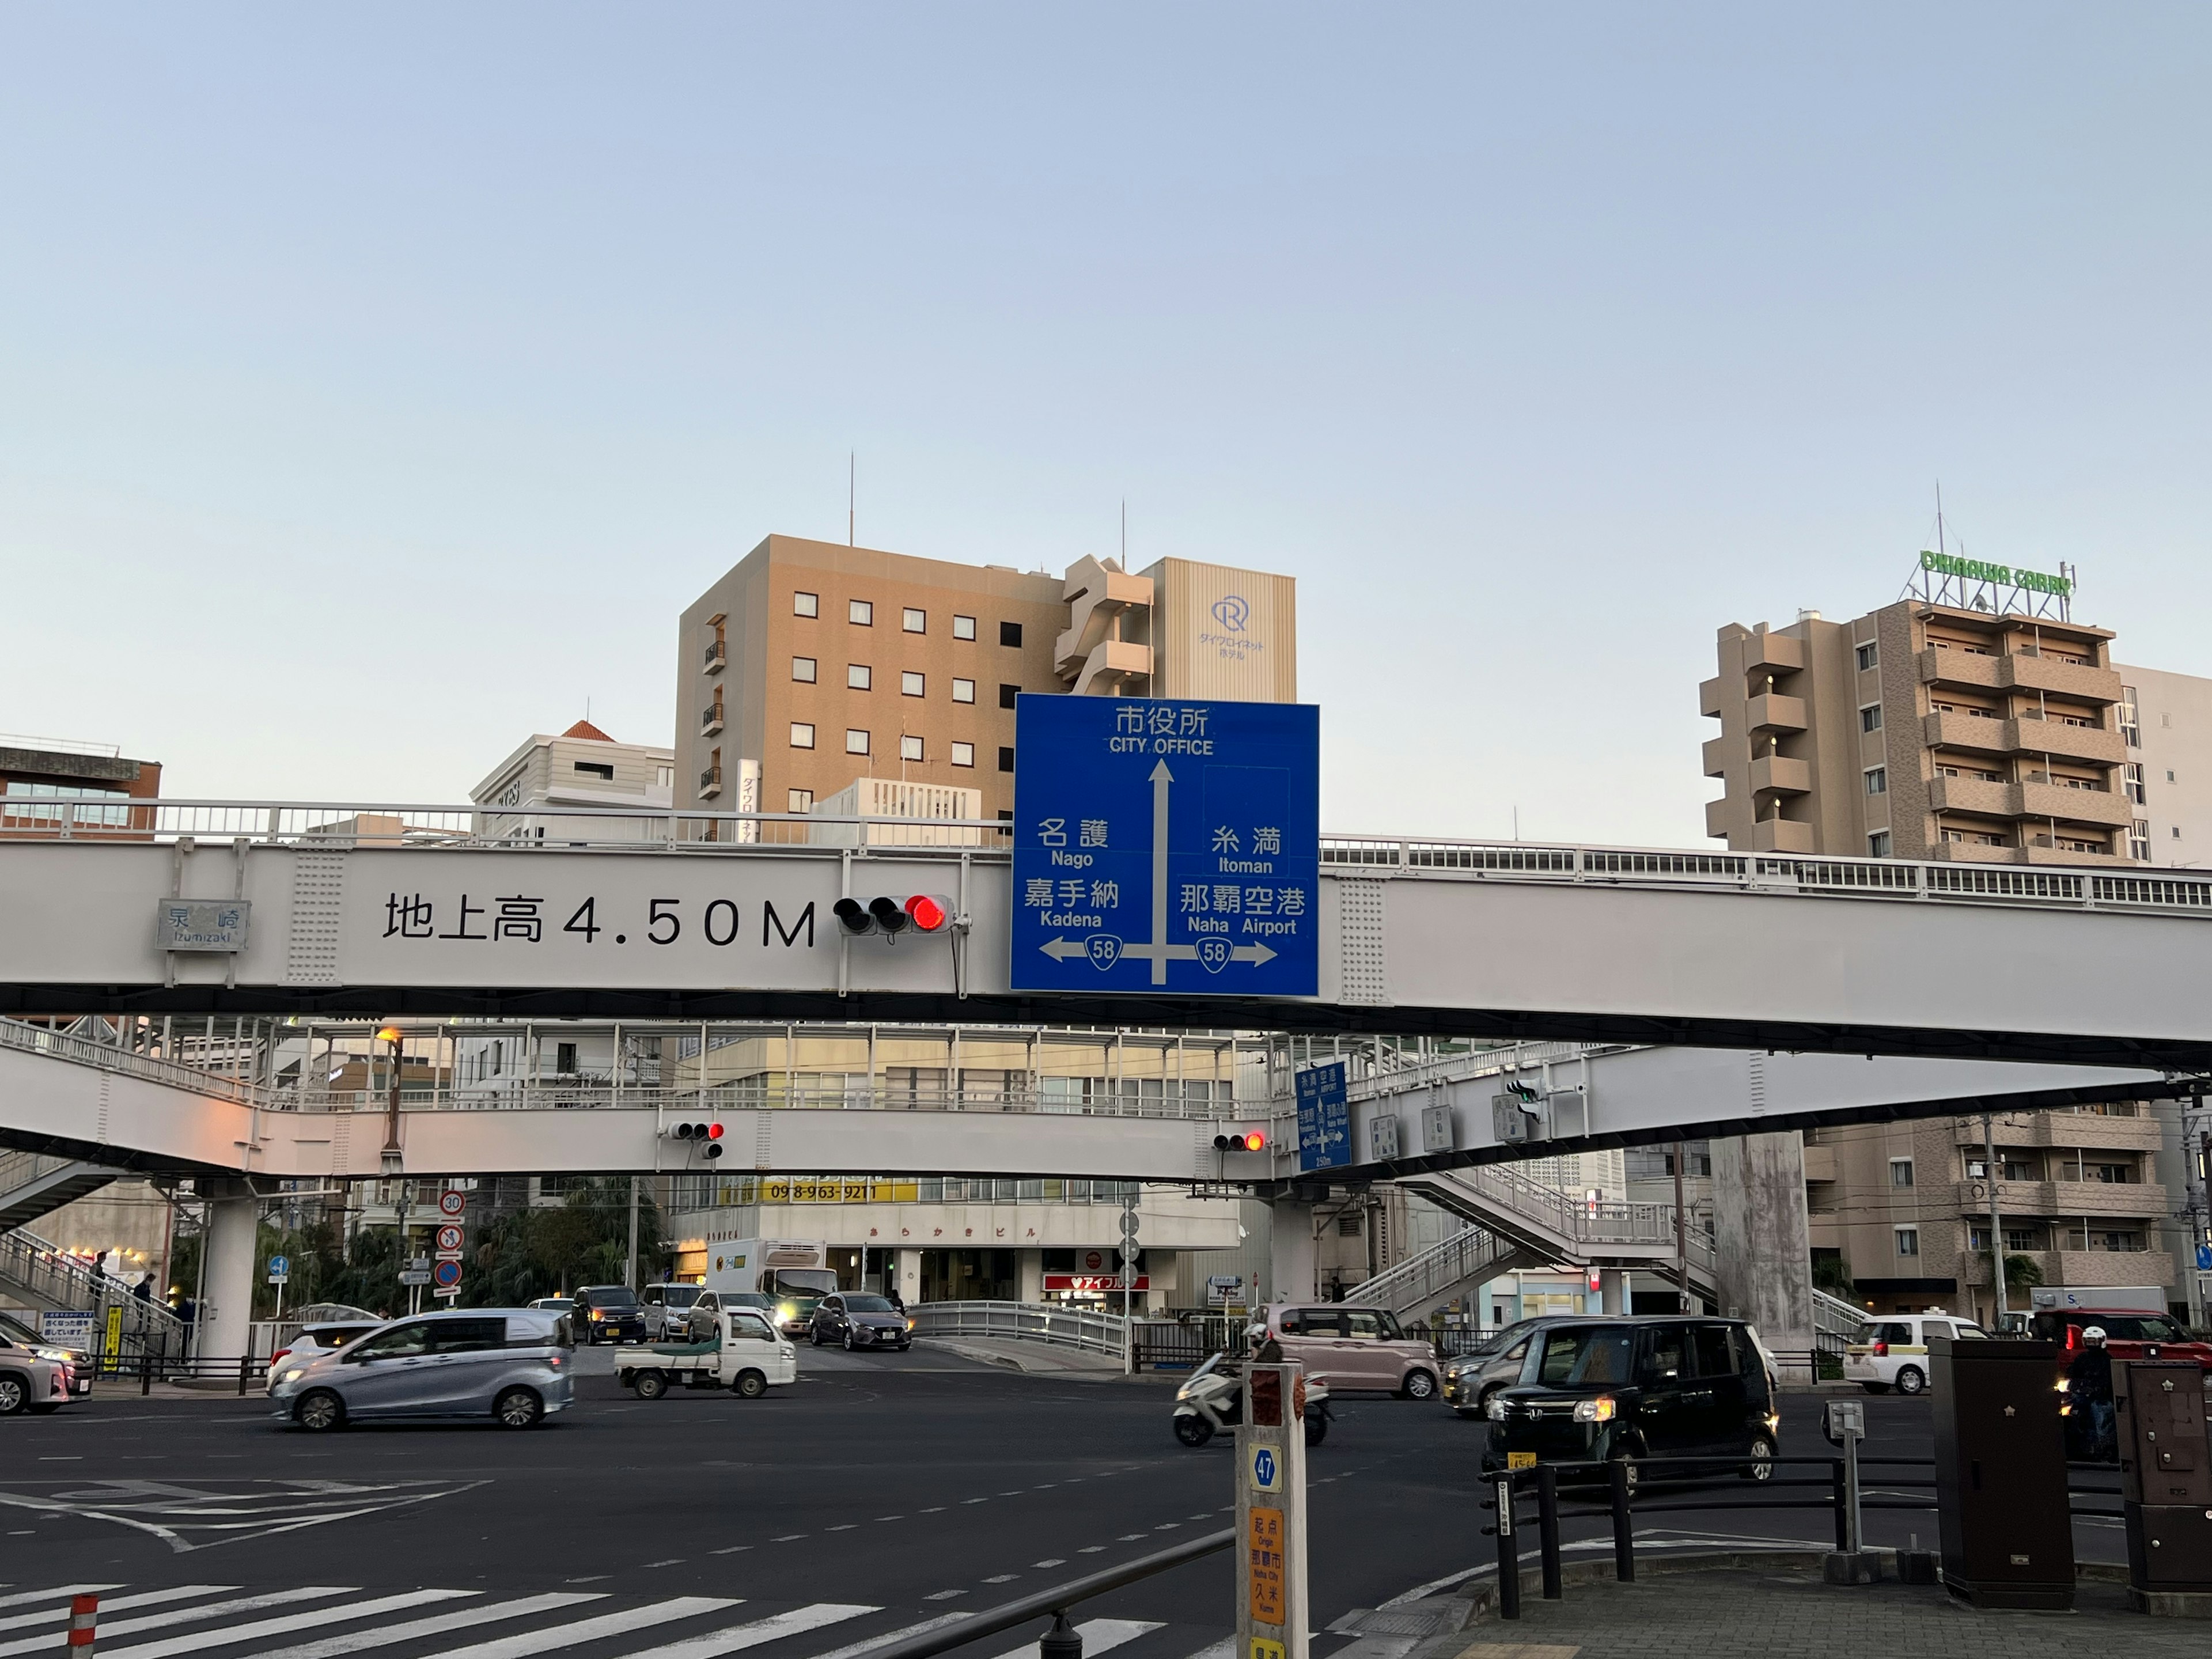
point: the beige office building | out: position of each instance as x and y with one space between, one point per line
811 667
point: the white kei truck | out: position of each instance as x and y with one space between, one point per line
744 1356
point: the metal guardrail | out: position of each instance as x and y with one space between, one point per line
1096 1333
379 824
44 1040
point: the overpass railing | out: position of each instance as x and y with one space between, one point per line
775 1094
62 1045
2085 883
1033 1322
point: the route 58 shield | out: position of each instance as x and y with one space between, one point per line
1166 845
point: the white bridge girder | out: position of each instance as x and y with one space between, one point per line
1721 950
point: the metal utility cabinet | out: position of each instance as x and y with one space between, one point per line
2000 1473
2165 1476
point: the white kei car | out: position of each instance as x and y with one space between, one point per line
1892 1353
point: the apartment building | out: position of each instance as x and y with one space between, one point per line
580 766
810 666
1975 724
1921 731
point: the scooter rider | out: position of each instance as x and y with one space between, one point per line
2090 1412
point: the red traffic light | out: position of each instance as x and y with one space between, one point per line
714 1132
1254 1141
709 1136
928 911
1249 1140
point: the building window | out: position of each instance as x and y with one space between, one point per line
1870 718
963 754
806 605
1878 844
665 776
2169 777
914 620
857 677
2130 724
1009 633
963 627
2176 832
1006 757
1877 779
856 743
802 669
2139 840
911 684
1900 1172
1007 694
2132 774
799 801
1869 655
1908 1241
861 613
564 1058
598 769
802 735
909 748
964 690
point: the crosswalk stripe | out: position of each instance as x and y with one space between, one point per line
177 1615
736 1637
889 1637
229 1634
1098 1636
144 1599
24 1598
452 1619
526 1642
1224 1648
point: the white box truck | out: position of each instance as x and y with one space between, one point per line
796 1272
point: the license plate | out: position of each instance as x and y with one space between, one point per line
1520 1459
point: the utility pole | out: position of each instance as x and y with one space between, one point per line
630 1269
1681 1233
1996 1230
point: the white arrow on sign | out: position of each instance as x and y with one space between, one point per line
1106 951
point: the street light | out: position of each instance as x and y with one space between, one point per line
392 1161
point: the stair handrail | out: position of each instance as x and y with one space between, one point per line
62 1045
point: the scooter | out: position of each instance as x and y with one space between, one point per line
1211 1400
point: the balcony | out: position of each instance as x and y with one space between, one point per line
2040 851
1777 775
1781 835
1994 800
1973 733
2019 671
710 783
710 720
1772 712
1955 667
1718 753
718 657
1717 819
1820 1163
1113 667
1709 698
2089 1130
2070 805
1771 653
2087 743
2115 1199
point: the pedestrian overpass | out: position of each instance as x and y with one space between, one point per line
276 909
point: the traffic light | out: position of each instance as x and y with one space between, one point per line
924 913
1244 1141
706 1138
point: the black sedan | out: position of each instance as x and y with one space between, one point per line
860 1321
609 1313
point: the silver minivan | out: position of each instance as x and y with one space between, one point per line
512 1365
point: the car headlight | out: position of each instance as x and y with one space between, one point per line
1497 1409
789 1310
1599 1410
293 1375
909 1324
1184 1393
597 1315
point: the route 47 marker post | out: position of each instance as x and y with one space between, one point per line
1271 1515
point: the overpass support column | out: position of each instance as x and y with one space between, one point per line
1762 1247
1292 1271
226 1313
909 1276
1613 1288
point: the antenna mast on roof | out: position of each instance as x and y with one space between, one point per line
852 490
1125 532
1940 548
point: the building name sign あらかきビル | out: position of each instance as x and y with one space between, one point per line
1999 575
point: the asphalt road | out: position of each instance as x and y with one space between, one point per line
908 1486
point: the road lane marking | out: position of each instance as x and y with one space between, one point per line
889 1637
737 1638
210 1610
224 1635
58 1592
1051 1561
451 1618
945 1595
525 1642
1099 1636
144 1599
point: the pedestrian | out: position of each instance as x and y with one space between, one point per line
2089 1410
891 1295
143 1290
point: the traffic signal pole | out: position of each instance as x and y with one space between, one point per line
1272 1606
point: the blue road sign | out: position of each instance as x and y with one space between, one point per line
446 1274
1324 1117
2203 1257
280 1269
1166 845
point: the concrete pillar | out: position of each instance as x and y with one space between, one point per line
1291 1259
226 1313
1612 1289
1762 1247
1031 1272
909 1275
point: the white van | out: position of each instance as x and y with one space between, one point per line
796 1272
1892 1353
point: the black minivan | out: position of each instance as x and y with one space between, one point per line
1673 1385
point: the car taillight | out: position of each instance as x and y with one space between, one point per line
1881 1350
2073 1337
278 1358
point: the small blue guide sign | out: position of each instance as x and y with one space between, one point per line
1324 1117
1163 845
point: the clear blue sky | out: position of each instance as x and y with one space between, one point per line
376 385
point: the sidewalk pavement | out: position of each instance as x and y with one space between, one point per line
1753 1605
1047 1359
